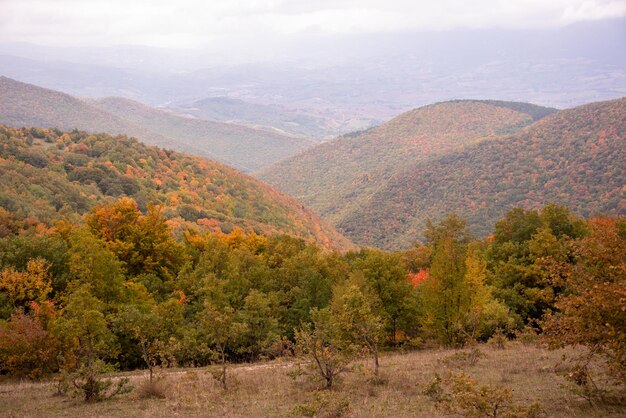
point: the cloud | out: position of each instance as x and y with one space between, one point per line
201 22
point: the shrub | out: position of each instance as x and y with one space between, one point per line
458 393
88 383
464 358
155 388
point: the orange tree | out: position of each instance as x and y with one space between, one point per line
592 309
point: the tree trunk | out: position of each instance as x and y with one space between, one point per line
223 368
375 350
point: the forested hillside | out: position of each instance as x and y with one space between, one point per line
46 174
241 147
238 146
575 157
337 178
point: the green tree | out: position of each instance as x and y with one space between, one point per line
321 342
223 331
260 327
525 244
355 307
386 275
92 264
84 330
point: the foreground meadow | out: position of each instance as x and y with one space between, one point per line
533 374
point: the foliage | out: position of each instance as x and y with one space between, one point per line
354 306
591 309
84 330
470 158
385 276
526 243
27 347
246 148
458 305
458 393
78 171
337 178
321 343
30 285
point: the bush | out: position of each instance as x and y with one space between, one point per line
458 393
325 405
156 388
498 340
464 358
26 347
88 384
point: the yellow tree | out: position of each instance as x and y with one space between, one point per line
24 286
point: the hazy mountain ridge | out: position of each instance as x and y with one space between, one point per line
226 109
242 147
48 174
349 80
238 146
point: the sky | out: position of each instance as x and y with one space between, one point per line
204 23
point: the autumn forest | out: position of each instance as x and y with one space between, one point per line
312 209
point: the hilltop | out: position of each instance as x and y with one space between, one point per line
241 147
477 158
338 177
47 174
575 157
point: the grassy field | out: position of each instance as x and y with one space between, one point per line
260 390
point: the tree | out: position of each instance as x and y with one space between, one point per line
354 307
84 330
444 292
222 331
321 341
458 305
386 275
32 284
142 242
26 345
92 264
591 309
145 323
259 324
525 244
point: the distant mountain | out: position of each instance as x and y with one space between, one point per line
339 177
478 159
239 146
575 157
350 80
244 148
47 174
293 122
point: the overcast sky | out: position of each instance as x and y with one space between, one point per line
200 23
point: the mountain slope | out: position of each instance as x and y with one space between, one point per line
46 174
576 157
226 109
23 104
337 178
240 146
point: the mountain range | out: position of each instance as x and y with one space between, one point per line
476 158
245 148
346 82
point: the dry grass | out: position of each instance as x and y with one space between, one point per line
265 390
